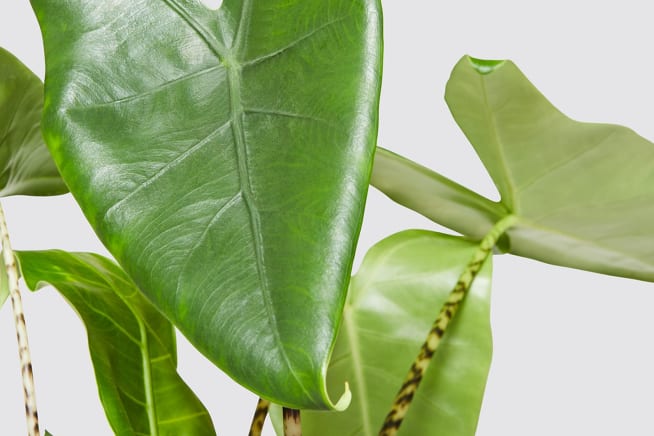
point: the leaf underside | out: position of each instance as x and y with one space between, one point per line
132 345
393 300
223 158
26 167
583 193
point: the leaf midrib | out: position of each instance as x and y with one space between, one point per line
237 112
527 223
511 201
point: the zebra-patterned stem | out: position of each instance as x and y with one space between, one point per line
31 413
259 417
412 381
292 422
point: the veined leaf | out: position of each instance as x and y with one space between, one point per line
583 193
26 167
132 345
393 301
223 157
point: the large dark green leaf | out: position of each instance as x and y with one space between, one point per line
393 301
26 167
132 345
223 157
583 193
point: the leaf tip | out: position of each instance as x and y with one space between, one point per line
345 400
485 66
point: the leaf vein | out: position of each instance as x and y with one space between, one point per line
293 43
166 168
212 43
151 91
500 149
271 112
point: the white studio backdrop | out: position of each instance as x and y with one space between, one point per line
573 350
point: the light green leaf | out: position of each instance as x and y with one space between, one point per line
393 301
223 157
132 345
434 195
26 167
583 193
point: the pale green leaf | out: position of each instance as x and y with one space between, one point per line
583 193
132 345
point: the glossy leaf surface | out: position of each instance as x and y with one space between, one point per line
223 157
393 300
26 167
583 192
132 345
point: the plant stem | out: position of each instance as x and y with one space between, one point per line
412 381
292 422
259 417
21 330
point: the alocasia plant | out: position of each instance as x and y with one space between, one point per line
223 157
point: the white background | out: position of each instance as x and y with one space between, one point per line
573 350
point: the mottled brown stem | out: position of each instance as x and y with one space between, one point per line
292 422
259 417
21 330
412 381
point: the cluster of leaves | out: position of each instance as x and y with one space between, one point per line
224 160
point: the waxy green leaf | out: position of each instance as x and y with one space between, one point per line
223 157
583 193
394 298
132 345
26 167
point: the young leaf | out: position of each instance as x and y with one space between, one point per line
132 345
393 300
583 193
223 157
26 167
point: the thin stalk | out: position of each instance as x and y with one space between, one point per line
292 422
259 417
31 413
412 381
